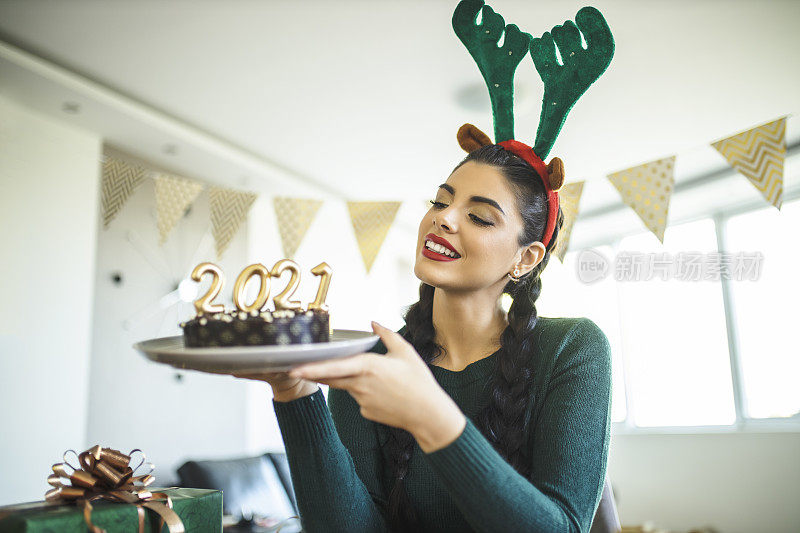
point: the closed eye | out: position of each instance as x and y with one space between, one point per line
479 221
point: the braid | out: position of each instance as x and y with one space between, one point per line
420 333
501 422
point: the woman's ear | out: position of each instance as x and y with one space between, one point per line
471 138
555 173
531 256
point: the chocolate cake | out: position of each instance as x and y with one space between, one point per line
237 328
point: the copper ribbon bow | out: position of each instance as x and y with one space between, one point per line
106 474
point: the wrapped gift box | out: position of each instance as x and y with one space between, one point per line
199 509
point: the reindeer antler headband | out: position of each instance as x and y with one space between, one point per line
563 83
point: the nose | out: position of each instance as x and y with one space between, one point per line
442 219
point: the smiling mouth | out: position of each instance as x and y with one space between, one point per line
440 250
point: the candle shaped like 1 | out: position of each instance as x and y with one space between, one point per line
203 304
323 270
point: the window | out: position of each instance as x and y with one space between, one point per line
766 311
673 364
674 335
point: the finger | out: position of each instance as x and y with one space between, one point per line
391 339
339 383
347 366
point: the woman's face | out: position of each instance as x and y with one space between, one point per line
476 213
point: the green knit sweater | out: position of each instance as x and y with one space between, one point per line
342 482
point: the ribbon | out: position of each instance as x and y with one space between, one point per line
106 474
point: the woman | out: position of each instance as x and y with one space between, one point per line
474 419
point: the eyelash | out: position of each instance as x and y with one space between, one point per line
479 221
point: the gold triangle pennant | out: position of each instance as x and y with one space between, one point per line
119 180
647 189
371 222
758 154
173 195
569 196
295 216
228 209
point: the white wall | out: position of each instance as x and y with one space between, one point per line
68 375
49 175
134 403
737 483
82 383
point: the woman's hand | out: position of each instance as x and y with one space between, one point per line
396 389
285 388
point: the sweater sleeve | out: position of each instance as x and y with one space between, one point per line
569 454
329 492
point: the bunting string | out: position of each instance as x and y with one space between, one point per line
757 153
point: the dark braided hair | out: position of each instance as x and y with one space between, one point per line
503 422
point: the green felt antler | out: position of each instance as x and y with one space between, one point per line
564 84
496 63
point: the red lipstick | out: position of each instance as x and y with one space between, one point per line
436 256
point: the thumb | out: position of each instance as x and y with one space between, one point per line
391 339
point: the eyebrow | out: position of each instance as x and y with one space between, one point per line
482 199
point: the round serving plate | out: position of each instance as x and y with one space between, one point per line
245 359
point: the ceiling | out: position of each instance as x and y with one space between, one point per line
362 99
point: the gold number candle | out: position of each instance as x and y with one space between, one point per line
324 271
203 304
282 300
256 269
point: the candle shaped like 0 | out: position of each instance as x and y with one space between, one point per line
256 269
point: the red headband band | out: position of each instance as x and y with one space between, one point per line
526 152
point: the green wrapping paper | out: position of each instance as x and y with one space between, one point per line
199 509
